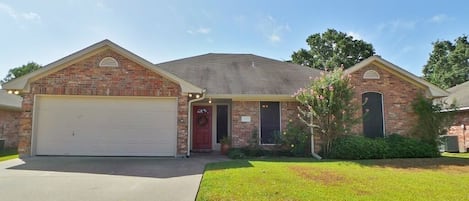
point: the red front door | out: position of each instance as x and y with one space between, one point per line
202 128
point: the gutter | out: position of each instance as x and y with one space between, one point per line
316 156
189 121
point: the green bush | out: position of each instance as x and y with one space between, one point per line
403 147
392 146
236 153
296 138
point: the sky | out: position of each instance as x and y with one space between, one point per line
401 31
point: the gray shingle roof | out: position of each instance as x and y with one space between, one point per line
460 93
10 101
241 74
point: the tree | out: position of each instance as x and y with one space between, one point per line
448 64
434 119
332 49
327 106
20 71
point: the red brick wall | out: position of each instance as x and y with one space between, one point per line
398 95
461 118
85 77
9 127
242 131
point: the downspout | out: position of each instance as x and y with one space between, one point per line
316 156
189 121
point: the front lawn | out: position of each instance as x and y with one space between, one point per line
445 178
8 154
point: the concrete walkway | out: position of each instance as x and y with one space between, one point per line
103 178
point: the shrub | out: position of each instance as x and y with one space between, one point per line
357 147
392 146
236 153
296 139
402 147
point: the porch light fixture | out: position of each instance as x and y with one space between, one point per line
210 100
197 96
16 92
190 95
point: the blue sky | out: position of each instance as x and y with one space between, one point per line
47 30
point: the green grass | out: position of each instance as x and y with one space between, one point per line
445 178
8 154
457 155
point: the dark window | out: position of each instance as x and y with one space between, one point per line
373 125
222 122
270 122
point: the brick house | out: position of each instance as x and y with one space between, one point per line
10 112
460 95
106 101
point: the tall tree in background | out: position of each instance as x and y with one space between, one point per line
448 64
331 49
20 71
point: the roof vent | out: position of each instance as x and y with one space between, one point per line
108 62
371 74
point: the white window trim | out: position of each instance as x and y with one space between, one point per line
371 75
108 62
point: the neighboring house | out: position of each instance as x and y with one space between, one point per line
460 95
10 112
106 101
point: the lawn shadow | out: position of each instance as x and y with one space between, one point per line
233 164
441 163
153 167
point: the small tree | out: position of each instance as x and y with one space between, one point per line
327 106
20 71
433 119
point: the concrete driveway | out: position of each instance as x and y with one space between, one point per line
102 178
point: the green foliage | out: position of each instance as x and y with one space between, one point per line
358 147
327 106
402 147
331 49
20 71
296 138
236 153
448 64
393 146
432 122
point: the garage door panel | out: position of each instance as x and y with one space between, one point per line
105 126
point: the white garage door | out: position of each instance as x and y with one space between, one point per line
105 126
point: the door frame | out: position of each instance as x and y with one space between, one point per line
215 146
382 110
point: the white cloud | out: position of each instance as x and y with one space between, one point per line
274 38
273 30
439 18
396 25
355 35
200 30
17 15
31 16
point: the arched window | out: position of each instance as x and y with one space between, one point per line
373 116
371 74
108 62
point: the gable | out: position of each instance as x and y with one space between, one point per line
118 76
431 90
23 83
